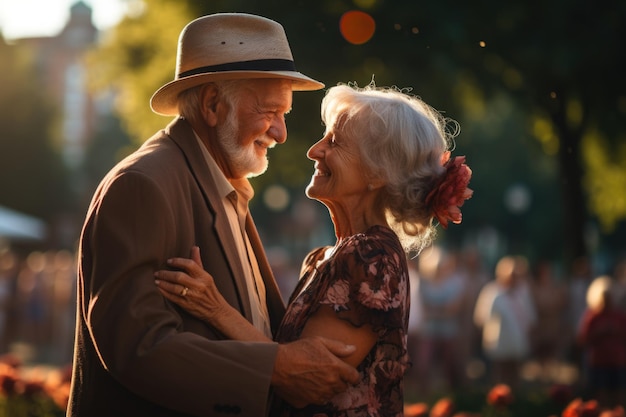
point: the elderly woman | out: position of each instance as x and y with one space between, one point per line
384 172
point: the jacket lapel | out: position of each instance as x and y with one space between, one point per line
181 132
275 304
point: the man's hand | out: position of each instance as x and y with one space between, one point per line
310 371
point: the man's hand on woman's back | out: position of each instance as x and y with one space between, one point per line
311 371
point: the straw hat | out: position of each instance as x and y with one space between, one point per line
228 46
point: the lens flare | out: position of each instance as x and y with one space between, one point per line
357 27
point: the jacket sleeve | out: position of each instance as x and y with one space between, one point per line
143 341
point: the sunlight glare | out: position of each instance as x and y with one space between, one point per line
357 27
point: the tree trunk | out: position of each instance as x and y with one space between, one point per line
571 179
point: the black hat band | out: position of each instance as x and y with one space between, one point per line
255 65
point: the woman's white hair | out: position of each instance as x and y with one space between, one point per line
402 140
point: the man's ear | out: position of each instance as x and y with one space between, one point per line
208 104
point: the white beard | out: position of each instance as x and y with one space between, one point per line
243 161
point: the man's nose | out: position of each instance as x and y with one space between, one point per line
278 130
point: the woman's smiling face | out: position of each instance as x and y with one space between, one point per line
339 173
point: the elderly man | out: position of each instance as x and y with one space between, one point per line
137 354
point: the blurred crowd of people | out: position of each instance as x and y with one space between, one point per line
517 322
470 323
37 307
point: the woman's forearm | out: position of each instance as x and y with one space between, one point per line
233 325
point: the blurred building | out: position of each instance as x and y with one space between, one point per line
59 61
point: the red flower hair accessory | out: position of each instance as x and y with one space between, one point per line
450 191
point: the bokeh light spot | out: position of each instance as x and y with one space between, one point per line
357 27
276 197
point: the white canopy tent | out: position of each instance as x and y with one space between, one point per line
18 226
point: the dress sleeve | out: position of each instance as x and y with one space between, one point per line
368 283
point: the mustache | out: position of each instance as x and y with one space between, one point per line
266 141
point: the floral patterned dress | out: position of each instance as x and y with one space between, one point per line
365 281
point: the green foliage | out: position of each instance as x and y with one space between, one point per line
29 406
136 58
606 176
32 177
524 86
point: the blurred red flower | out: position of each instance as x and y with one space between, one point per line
61 395
500 396
10 359
616 412
9 379
442 408
416 410
57 386
9 384
580 408
31 388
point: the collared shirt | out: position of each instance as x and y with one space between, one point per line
235 195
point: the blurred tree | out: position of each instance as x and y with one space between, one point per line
109 145
32 177
548 58
520 77
138 56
